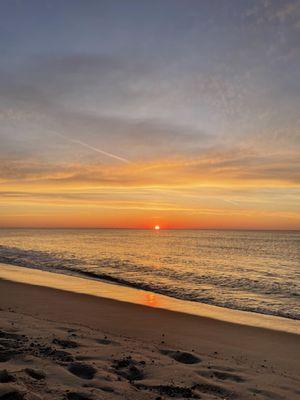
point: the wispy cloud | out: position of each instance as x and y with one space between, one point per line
220 166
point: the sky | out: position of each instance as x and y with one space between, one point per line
132 113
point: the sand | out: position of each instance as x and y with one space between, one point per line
56 344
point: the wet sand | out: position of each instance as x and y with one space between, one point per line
56 344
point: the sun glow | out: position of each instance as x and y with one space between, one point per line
157 228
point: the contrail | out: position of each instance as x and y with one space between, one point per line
124 160
100 151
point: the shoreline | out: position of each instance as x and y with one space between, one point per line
142 297
143 316
136 352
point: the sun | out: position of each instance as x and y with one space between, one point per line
157 227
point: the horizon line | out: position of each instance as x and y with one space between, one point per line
152 229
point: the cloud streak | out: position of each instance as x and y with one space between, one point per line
221 167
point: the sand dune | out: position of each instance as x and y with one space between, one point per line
61 345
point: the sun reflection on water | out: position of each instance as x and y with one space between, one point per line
150 299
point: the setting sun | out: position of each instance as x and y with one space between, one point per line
157 227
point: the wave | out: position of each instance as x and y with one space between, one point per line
163 281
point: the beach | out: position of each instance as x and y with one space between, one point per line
149 200
58 344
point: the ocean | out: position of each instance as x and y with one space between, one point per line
256 271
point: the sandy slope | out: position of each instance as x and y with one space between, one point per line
61 345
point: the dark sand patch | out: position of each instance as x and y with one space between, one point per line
50 352
11 335
266 394
105 341
78 396
6 377
11 345
65 343
124 363
83 371
11 393
218 391
6 355
181 356
171 391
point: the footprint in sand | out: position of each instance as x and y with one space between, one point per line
132 373
81 370
127 369
11 344
221 375
35 374
181 356
62 356
56 355
211 389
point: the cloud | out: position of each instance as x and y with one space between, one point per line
44 139
219 167
278 11
40 99
286 11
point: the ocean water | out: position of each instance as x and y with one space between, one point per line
256 271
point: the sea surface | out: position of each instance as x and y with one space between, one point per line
256 271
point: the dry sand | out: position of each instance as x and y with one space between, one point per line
56 344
